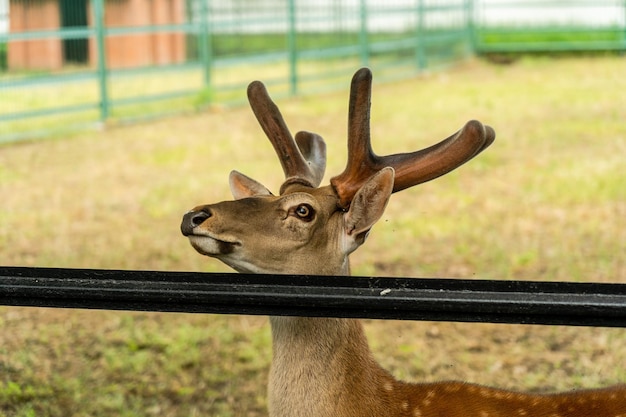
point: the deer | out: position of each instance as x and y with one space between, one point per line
323 367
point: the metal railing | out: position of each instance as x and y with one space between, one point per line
295 47
91 66
550 26
528 302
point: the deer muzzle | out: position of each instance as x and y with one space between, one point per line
192 219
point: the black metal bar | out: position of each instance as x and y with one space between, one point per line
564 303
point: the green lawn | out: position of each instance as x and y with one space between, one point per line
546 202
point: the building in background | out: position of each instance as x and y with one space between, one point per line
126 50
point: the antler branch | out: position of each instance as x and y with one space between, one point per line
303 159
411 168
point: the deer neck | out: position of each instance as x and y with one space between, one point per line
321 366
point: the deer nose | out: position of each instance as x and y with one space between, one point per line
193 219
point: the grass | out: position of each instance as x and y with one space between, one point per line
551 33
545 202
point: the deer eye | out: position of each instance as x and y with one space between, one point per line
304 212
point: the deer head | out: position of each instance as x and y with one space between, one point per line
308 229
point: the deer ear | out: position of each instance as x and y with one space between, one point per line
368 205
243 186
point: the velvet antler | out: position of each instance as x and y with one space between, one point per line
303 159
410 168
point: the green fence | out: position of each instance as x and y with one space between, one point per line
71 64
505 26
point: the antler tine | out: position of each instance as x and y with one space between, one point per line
427 164
410 168
303 159
362 162
313 149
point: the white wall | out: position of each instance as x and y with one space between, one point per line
4 16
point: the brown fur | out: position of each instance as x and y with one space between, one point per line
337 373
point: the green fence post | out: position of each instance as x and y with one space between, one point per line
470 25
363 38
205 42
98 11
292 46
624 31
420 53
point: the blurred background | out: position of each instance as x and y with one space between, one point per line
117 116
102 61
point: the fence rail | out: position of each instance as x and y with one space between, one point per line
528 302
91 69
550 26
